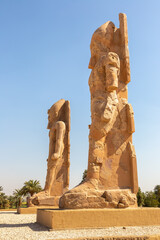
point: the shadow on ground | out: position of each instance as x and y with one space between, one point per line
34 226
8 212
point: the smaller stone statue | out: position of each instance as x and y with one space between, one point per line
57 179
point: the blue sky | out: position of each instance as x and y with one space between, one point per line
44 56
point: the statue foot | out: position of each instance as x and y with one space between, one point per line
89 195
78 197
34 200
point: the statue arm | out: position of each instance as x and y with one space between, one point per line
130 115
60 133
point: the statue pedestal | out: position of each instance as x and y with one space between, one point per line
44 203
57 219
33 210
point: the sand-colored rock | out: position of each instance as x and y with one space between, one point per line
57 179
112 170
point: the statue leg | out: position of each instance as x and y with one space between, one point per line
59 146
50 177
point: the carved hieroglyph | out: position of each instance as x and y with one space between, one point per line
112 170
57 179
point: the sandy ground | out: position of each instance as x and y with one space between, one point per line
24 226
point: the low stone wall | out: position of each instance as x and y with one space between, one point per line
33 210
8 210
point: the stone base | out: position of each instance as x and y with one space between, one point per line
33 210
97 218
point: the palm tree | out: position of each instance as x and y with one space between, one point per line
12 201
3 199
18 197
30 187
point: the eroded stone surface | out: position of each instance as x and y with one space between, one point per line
57 179
112 170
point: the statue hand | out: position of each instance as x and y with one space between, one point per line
55 156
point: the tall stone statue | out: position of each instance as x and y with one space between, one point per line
112 171
57 179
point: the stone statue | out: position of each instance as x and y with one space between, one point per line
57 179
112 171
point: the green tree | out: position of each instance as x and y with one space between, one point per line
7 204
84 176
140 197
12 201
150 199
1 189
157 192
30 187
3 200
17 194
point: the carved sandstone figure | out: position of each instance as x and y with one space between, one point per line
57 179
112 171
